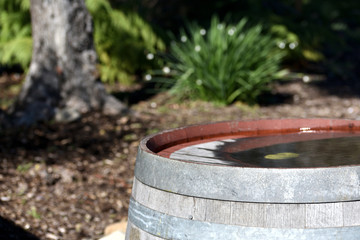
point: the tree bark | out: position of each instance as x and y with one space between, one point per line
62 79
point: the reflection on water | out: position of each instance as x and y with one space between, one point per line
328 152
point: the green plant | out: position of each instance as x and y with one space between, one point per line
24 167
224 63
34 213
15 29
295 49
123 42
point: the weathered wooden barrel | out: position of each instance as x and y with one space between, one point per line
194 183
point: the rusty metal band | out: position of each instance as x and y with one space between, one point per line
307 185
164 226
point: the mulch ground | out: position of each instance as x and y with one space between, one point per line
69 181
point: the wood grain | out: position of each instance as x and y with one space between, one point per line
267 215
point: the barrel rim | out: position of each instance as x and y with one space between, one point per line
250 184
301 125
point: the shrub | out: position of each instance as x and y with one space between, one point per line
224 63
122 40
15 37
295 49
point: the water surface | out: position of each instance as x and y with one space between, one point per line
335 151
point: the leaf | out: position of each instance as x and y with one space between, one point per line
232 62
312 55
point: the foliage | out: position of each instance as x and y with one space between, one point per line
24 167
295 48
15 37
327 32
34 213
224 63
123 40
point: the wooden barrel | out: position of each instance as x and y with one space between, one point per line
189 185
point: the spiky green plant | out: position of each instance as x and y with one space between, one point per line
15 33
224 63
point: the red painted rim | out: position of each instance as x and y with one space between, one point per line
166 142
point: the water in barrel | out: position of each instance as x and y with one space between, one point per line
295 150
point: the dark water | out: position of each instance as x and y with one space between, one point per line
329 152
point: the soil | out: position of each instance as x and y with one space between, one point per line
71 180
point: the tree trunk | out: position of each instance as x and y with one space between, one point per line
62 80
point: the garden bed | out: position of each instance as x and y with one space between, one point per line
69 181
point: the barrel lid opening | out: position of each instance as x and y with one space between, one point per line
227 142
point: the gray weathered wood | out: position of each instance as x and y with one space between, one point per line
180 194
218 211
276 215
248 214
199 213
171 227
135 233
351 212
204 153
324 215
285 216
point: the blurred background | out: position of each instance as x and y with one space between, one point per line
134 39
174 63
